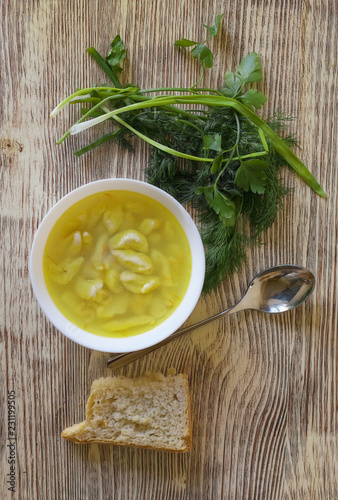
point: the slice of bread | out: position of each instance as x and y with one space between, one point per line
151 411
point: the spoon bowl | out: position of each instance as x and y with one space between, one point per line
278 289
274 290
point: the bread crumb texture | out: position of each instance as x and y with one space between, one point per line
151 411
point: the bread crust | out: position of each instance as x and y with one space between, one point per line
130 445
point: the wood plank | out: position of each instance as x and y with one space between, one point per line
264 389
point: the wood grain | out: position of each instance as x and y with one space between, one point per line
264 389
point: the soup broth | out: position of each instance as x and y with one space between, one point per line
117 263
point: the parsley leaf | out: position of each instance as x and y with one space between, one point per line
217 164
213 141
251 176
200 50
232 85
253 99
213 30
116 54
184 42
221 204
205 55
224 208
249 69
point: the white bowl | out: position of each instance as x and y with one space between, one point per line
152 336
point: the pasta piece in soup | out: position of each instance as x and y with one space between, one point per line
134 261
112 219
129 240
139 283
63 273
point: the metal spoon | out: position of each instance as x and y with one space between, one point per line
277 289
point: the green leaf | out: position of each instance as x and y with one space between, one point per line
253 99
249 69
217 164
208 193
200 50
116 54
213 30
184 42
213 141
205 55
224 208
232 85
196 52
221 204
251 176
207 58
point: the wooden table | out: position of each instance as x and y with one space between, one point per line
264 388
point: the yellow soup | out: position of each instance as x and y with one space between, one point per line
117 263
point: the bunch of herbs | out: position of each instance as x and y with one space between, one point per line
219 155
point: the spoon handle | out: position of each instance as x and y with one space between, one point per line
118 360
